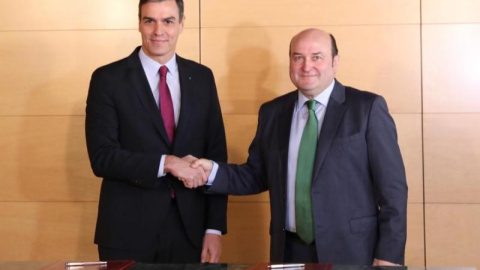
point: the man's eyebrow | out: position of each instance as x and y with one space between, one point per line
147 18
315 53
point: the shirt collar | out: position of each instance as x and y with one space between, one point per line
151 66
321 98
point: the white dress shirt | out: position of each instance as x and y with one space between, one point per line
299 119
151 68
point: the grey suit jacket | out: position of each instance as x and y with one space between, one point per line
359 190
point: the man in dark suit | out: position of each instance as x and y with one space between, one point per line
144 213
357 187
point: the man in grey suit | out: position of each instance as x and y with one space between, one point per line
358 191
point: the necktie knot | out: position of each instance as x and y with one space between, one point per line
311 104
163 72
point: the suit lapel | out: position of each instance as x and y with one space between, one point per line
142 89
186 100
283 131
284 126
333 117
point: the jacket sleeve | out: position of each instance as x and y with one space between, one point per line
107 156
388 174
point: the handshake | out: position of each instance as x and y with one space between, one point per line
193 172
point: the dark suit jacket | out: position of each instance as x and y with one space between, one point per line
359 190
126 138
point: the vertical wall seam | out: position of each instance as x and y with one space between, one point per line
422 113
200 31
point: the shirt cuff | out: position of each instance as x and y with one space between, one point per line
212 175
161 167
212 231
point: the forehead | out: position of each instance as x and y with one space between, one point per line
162 9
311 44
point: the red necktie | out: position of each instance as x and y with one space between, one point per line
166 105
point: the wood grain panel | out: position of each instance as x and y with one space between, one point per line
450 68
415 248
240 130
452 234
254 64
47 231
49 73
452 158
248 239
409 130
383 60
72 15
45 159
251 13
450 11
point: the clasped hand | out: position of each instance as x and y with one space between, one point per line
193 172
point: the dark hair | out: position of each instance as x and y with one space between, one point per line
334 46
179 5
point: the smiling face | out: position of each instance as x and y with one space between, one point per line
312 67
160 25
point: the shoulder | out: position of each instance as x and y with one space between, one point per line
351 92
361 102
362 97
192 66
117 67
280 102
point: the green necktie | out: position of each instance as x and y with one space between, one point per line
303 183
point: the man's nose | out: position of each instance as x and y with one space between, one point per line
306 65
159 29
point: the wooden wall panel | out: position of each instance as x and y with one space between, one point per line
45 231
49 73
254 64
383 59
450 41
450 68
450 11
414 250
452 154
248 239
252 13
45 159
240 130
452 234
78 15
